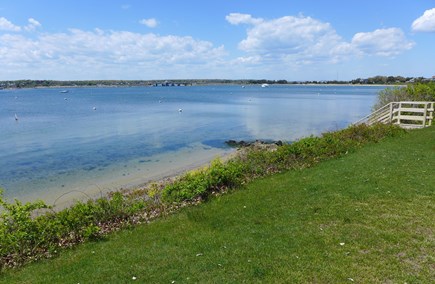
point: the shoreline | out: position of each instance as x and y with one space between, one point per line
171 166
202 84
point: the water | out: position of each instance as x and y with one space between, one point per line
61 143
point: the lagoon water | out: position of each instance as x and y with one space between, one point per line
91 140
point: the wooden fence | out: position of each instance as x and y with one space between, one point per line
405 114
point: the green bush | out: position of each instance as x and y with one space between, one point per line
220 175
422 91
187 187
202 182
20 234
25 237
412 92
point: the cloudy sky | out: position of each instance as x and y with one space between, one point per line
231 39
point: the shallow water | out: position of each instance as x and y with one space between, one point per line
106 138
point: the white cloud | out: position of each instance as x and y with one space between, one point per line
6 25
286 34
151 23
292 39
237 18
301 40
284 45
32 25
97 53
425 23
383 42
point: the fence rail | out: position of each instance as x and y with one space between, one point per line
405 114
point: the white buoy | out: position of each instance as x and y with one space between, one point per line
180 110
16 117
94 108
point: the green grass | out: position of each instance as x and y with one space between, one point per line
367 217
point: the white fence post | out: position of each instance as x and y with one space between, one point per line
431 113
425 114
391 112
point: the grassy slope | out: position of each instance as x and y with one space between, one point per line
379 202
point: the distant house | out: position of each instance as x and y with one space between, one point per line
433 78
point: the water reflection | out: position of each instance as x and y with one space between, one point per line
295 116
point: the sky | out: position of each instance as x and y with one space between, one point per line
295 40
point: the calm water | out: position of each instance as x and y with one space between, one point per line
61 143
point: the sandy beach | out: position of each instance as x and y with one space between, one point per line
128 176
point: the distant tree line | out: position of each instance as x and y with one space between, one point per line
389 80
384 80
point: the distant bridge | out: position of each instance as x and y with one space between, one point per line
404 114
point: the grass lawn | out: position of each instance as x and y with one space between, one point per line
367 217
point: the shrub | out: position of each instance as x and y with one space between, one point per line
25 237
412 92
187 187
422 91
200 183
220 175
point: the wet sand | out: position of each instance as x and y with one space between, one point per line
82 186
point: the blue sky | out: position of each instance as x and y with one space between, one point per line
225 39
